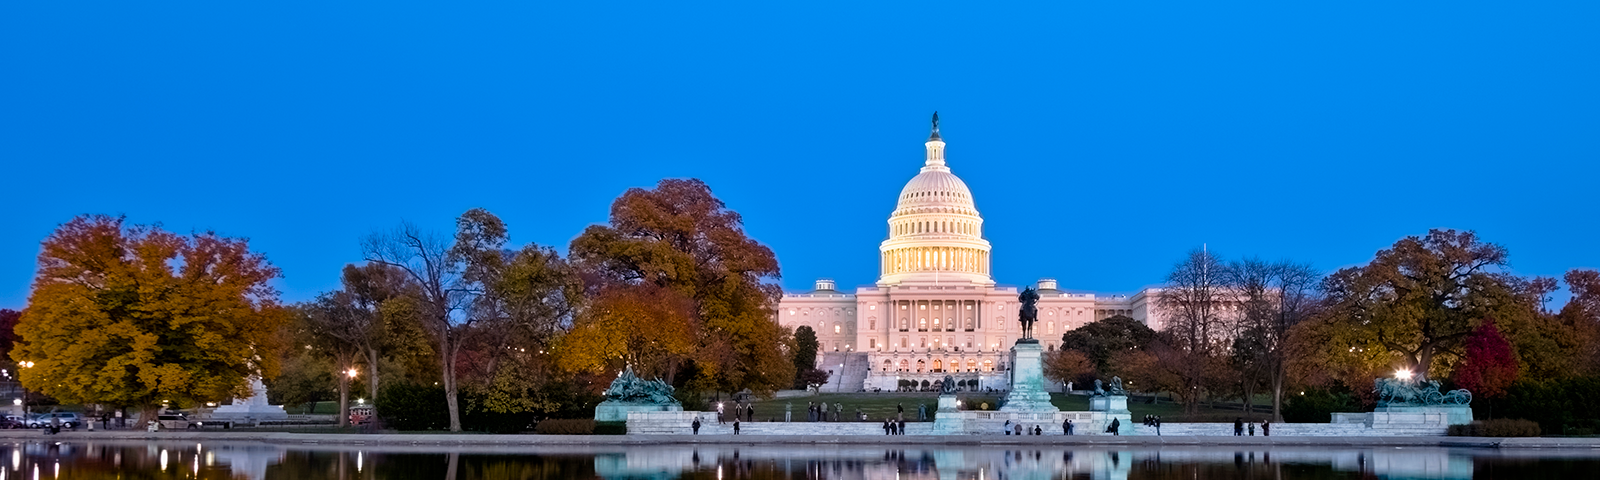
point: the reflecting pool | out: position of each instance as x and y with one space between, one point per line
253 461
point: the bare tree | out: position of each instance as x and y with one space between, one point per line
1274 297
445 291
1192 304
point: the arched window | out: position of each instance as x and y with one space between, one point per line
935 323
988 365
837 328
903 365
921 366
887 365
972 365
938 366
922 324
905 323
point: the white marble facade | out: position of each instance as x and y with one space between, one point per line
935 310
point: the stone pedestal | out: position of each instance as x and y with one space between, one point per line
1114 407
1027 380
1444 415
614 411
948 419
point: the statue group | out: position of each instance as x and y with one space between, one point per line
1398 392
630 388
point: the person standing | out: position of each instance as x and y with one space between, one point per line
1157 422
901 427
887 430
1116 427
1238 427
720 418
750 413
695 426
900 411
1252 429
1066 427
1265 428
1008 427
1017 429
838 411
788 412
735 425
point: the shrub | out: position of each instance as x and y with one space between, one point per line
610 428
565 426
1496 428
1565 406
1317 406
404 406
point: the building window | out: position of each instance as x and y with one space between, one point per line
935 324
922 324
872 324
923 341
872 343
903 342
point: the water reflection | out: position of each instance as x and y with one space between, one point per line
254 461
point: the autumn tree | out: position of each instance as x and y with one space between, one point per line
134 316
8 335
679 237
1192 300
1413 305
366 289
1099 339
1582 315
1067 365
1489 366
334 326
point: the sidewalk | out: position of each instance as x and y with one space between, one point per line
1056 440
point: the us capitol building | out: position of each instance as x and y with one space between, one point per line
935 310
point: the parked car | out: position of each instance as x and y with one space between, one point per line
12 421
68 420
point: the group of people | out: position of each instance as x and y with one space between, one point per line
747 411
816 412
1153 421
1018 429
892 426
1239 427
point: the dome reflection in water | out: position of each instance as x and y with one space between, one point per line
254 461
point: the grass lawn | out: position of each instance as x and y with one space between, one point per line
330 407
879 405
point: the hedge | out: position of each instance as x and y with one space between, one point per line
570 426
1496 428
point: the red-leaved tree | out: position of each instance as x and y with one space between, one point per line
1489 364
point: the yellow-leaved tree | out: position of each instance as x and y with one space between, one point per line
134 316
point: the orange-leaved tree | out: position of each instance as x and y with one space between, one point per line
135 316
680 238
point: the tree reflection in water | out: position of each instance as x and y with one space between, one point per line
256 461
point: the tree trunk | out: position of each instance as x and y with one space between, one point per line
448 361
344 399
372 375
1277 396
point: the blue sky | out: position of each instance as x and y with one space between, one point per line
1101 140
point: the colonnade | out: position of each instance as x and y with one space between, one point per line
923 259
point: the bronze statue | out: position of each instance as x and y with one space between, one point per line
1029 313
948 387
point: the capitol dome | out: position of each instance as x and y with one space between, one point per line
935 232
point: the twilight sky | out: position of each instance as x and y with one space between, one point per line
1101 140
